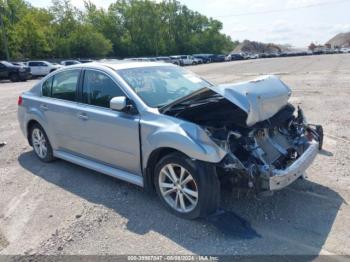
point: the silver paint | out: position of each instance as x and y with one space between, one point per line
120 144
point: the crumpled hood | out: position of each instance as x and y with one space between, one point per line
260 98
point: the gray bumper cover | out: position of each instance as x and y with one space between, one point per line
282 178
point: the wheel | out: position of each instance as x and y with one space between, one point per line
41 143
188 188
23 79
14 77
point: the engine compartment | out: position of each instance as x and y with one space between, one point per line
273 144
253 152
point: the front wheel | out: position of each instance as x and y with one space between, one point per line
14 77
188 188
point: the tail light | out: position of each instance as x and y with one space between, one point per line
20 100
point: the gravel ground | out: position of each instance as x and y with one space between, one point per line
61 208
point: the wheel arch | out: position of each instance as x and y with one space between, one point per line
30 124
152 160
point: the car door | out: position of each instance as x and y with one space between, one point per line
109 136
34 68
60 108
43 68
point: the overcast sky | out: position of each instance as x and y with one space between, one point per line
295 22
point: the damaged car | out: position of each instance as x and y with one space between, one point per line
168 130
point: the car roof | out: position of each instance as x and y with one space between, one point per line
121 64
38 61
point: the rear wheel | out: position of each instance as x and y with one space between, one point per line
14 77
188 188
41 143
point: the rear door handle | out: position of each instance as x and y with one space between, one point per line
83 116
44 107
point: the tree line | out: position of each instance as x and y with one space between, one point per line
127 28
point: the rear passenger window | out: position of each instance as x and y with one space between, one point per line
46 87
99 89
64 85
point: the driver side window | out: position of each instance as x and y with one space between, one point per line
99 89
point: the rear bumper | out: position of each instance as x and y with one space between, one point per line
282 178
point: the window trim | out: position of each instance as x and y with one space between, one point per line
81 86
53 76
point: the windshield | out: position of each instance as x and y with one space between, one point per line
161 85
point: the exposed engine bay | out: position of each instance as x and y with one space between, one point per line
266 155
253 153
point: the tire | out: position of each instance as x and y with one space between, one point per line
14 77
39 139
23 79
200 195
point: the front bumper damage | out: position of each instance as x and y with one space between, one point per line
269 176
281 178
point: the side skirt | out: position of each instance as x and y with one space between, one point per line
114 172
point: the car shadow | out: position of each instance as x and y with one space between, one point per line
296 220
325 152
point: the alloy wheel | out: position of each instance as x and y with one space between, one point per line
178 188
39 143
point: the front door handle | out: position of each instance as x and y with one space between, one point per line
83 116
44 107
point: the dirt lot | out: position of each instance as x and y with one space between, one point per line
61 208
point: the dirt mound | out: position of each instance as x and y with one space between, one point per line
257 47
340 40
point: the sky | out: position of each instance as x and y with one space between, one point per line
295 22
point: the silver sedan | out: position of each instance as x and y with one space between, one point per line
168 130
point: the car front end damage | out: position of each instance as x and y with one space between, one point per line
268 141
268 158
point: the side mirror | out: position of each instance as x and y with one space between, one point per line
118 103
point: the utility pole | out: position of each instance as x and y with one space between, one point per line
3 33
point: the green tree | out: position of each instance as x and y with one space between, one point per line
10 13
127 28
32 36
86 42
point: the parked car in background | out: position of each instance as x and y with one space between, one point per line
23 64
14 72
184 59
345 50
42 68
170 131
175 60
218 58
165 59
206 58
70 62
234 56
84 61
252 56
141 59
197 60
